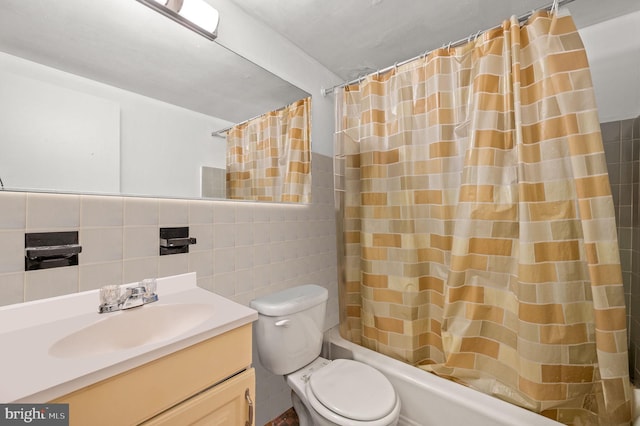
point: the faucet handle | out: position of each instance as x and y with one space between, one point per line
110 294
150 286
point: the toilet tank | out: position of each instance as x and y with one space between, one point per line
289 329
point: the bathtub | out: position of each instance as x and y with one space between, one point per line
431 400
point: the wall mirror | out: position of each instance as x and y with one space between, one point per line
111 97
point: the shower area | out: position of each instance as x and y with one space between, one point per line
487 222
621 140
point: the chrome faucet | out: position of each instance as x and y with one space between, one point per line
112 300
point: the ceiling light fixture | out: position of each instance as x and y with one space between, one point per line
197 15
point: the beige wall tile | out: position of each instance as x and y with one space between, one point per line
13 214
140 211
12 288
101 245
46 283
48 212
101 211
12 251
97 275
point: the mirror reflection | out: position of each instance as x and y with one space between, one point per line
113 98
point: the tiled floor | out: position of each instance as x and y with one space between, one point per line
288 418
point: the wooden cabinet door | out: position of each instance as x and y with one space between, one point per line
231 403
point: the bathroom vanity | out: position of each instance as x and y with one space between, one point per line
193 362
172 385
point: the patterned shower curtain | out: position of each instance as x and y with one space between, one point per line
269 157
478 233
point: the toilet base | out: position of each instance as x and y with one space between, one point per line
304 417
307 418
297 381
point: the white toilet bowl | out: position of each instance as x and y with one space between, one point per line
343 393
325 393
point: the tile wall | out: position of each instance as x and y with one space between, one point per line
243 249
622 150
213 182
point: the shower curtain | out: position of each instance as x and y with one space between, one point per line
478 235
269 157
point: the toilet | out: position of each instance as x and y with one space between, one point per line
343 392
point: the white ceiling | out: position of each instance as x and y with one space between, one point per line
357 37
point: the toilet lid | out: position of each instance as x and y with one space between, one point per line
353 390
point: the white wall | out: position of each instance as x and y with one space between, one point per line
613 49
160 147
263 46
54 138
164 148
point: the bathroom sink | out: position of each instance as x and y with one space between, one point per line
132 328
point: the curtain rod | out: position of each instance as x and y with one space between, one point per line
460 42
226 129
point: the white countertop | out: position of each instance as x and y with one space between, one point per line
28 373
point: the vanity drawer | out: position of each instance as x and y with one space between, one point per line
229 403
141 393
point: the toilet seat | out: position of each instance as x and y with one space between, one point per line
350 392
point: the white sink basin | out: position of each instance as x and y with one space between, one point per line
131 328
